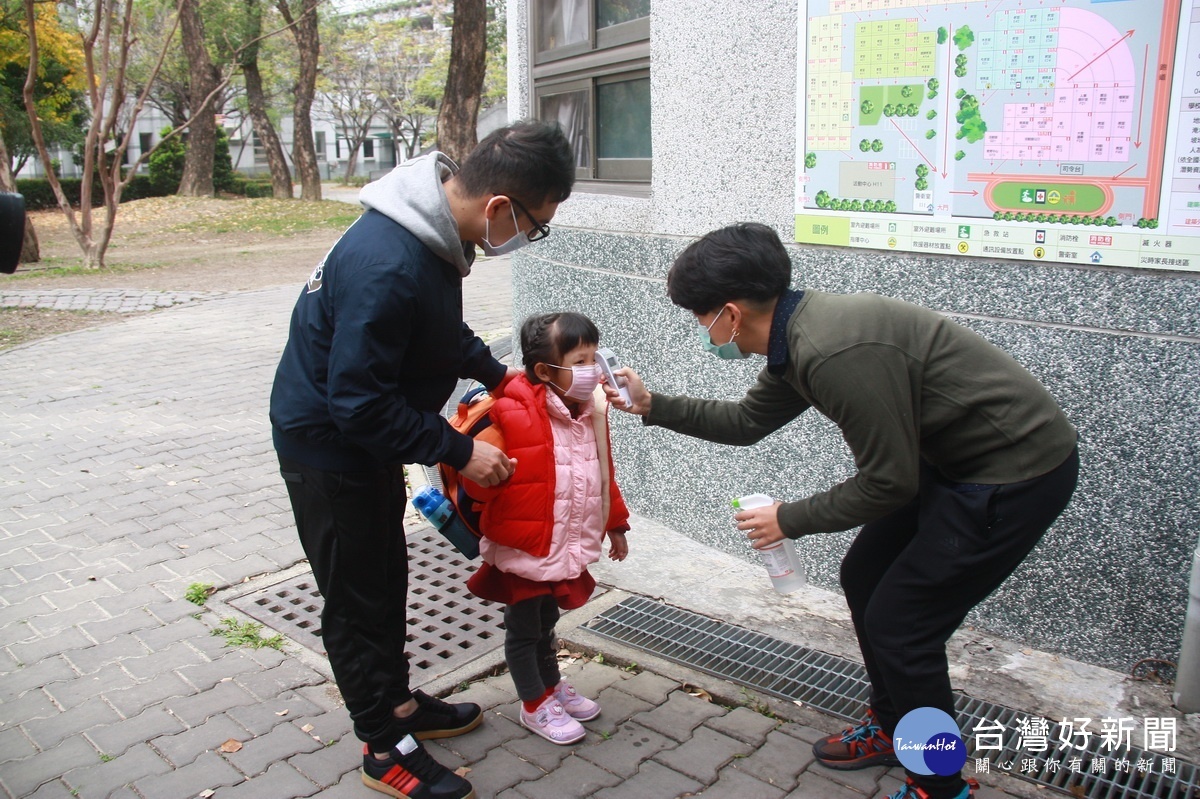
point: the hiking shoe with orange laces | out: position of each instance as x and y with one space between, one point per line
862 745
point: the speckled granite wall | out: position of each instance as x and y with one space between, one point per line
1119 349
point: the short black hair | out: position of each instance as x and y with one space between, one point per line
746 261
545 338
531 161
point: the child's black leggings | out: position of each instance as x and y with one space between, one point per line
911 577
529 645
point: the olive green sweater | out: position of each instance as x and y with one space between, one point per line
903 384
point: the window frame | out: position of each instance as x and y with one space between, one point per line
612 54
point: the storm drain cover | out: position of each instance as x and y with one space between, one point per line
447 625
839 687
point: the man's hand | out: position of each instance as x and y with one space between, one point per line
488 465
638 395
761 525
618 547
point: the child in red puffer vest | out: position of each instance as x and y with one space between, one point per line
545 524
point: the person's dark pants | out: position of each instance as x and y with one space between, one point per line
911 577
351 526
529 645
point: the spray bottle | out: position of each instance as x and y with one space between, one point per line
787 575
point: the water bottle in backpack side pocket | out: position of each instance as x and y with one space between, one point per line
440 512
783 565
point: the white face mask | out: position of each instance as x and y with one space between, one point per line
584 379
515 243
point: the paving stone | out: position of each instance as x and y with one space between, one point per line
127 622
573 777
679 715
102 778
49 732
732 782
649 686
500 770
30 705
221 698
184 747
134 699
626 750
109 678
31 676
208 771
205 673
55 789
328 727
616 707
591 678
491 734
484 694
814 786
538 751
164 636
15 745
804 733
778 760
744 724
151 723
281 781
326 766
864 781
260 716
287 676
703 755
155 664
90 660
652 780
279 744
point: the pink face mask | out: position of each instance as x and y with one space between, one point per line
584 379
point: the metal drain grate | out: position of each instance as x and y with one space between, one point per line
447 625
839 687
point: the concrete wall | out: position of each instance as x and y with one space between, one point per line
1120 349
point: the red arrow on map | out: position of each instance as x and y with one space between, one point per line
1128 33
972 192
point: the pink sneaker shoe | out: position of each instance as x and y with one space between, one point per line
578 707
552 722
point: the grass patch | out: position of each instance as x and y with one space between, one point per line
265 215
19 325
246 634
198 593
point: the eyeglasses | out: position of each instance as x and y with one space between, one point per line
540 230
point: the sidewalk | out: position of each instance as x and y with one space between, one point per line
137 462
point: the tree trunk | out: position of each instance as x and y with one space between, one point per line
30 253
256 99
308 48
202 134
464 81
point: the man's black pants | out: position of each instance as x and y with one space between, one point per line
351 526
911 577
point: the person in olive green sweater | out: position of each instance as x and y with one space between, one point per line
963 462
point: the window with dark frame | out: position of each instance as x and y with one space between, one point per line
591 74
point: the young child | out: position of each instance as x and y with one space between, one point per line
544 525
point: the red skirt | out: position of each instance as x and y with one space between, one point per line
490 583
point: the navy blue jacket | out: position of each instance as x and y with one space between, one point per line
376 346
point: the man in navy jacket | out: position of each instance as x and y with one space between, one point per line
376 345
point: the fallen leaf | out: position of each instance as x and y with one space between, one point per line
307 728
462 771
231 746
699 693
206 793
564 653
283 712
797 703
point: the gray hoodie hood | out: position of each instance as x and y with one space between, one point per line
412 196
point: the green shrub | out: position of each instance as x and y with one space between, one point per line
223 174
166 165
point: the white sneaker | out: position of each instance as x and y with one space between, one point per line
578 707
552 722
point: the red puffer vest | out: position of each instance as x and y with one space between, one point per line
520 512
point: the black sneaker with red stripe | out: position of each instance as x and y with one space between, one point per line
409 772
865 744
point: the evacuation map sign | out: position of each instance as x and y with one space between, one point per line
1056 130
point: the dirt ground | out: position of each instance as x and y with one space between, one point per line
166 244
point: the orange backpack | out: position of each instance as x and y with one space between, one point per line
473 419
